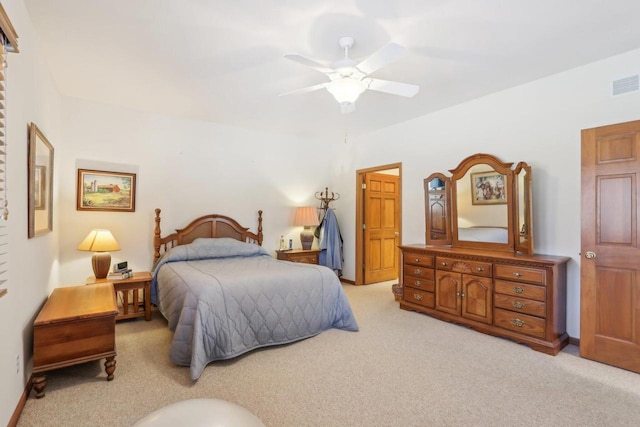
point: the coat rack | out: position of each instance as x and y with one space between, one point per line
325 199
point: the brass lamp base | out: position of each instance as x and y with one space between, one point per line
306 238
101 261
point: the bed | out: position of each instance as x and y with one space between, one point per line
224 295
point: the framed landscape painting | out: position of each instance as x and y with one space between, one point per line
106 191
40 184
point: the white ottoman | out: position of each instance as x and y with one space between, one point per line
201 413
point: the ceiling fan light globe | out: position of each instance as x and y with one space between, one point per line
346 90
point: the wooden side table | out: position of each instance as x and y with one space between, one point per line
76 325
131 309
309 256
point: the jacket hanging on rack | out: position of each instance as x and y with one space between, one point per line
330 243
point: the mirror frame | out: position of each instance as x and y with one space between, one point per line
525 245
459 173
446 192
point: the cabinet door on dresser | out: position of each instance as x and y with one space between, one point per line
477 298
448 286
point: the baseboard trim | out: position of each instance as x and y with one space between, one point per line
347 281
574 341
13 422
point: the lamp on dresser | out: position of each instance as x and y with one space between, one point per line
307 217
100 242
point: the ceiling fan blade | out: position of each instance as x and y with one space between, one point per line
310 63
306 89
393 88
382 57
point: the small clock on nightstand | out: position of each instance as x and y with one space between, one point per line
307 256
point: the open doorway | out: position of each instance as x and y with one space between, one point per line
378 223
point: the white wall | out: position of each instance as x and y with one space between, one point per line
187 168
538 123
33 263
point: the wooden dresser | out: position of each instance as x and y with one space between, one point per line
516 296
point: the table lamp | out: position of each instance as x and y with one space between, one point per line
101 242
307 217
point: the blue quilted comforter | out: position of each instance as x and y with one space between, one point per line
223 298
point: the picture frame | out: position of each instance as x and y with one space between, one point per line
40 183
106 191
488 188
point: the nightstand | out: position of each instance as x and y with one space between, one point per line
309 256
130 309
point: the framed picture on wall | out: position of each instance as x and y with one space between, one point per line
488 188
106 191
40 185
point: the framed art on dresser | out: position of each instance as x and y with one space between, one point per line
106 191
40 187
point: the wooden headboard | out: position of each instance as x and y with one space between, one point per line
206 226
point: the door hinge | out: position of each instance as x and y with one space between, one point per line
364 226
364 186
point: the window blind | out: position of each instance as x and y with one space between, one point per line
8 43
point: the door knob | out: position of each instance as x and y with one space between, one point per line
590 255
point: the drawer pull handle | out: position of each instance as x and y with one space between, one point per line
417 259
517 304
480 268
444 264
418 271
457 294
518 290
418 283
517 322
517 274
417 296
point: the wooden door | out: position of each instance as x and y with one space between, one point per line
448 287
381 227
610 266
477 298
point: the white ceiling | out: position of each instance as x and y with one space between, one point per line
222 60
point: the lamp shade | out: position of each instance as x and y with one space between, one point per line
306 216
99 241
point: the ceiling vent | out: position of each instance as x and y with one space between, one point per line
625 85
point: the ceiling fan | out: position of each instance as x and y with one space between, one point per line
348 78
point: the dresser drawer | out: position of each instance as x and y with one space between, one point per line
418 272
521 274
418 259
423 283
518 289
461 266
519 322
520 305
416 296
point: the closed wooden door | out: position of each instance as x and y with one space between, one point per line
381 227
610 266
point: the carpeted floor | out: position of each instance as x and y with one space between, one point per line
400 369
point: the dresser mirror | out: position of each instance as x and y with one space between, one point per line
437 188
524 223
484 205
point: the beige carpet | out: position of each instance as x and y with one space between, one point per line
400 369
